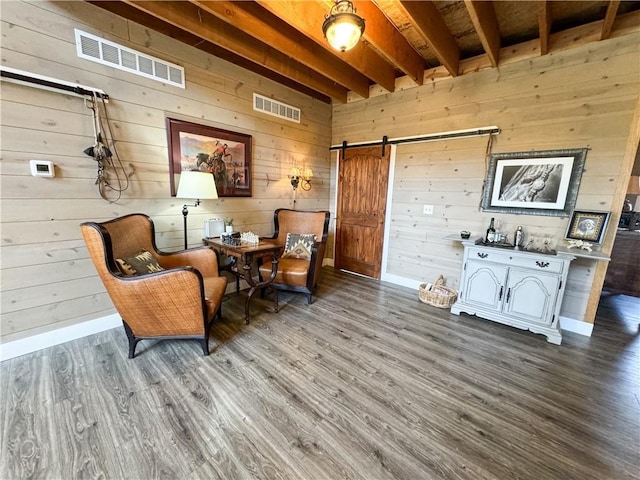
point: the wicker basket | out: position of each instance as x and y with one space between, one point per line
438 295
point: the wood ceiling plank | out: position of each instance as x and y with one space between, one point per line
484 19
426 19
189 17
262 25
544 25
609 18
307 17
389 42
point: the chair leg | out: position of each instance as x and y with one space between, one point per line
309 300
205 345
133 341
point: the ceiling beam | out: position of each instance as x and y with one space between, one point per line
146 20
426 19
609 18
263 26
189 17
483 16
389 42
544 25
307 17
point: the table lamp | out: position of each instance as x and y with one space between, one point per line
195 185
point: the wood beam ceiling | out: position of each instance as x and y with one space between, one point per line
264 27
307 18
188 16
544 25
485 22
283 40
426 19
609 18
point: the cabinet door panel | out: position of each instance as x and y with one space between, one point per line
484 284
531 296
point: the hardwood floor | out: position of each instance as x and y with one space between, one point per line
365 383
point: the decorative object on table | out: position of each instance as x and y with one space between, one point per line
437 294
534 183
213 227
518 237
231 238
587 226
491 233
228 224
465 234
580 244
195 185
224 154
249 238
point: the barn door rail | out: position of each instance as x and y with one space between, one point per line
430 137
47 83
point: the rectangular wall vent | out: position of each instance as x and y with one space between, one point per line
109 53
277 109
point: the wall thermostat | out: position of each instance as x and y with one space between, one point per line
42 168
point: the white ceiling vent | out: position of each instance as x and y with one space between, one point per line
277 109
109 53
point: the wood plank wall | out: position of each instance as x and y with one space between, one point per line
583 97
47 279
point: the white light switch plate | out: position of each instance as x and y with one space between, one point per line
427 210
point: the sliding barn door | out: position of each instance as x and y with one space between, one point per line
363 176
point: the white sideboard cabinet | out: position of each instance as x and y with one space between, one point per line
515 287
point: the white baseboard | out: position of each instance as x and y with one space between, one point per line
576 326
404 282
39 341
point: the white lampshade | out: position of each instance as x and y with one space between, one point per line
197 185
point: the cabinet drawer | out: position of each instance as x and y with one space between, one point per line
543 263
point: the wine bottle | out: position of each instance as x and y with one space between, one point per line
491 233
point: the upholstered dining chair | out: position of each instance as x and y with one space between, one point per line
158 295
303 234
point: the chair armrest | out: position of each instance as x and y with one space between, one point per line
317 256
203 259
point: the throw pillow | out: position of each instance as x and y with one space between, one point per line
298 245
140 263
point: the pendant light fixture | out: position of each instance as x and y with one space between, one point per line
342 27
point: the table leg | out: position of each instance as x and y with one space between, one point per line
274 271
249 278
255 286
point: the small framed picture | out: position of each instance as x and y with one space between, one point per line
587 226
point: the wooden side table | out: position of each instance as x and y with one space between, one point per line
244 255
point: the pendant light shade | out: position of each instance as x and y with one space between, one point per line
342 27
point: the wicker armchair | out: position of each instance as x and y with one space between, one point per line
298 274
178 300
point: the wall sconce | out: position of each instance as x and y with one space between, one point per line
342 27
302 177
